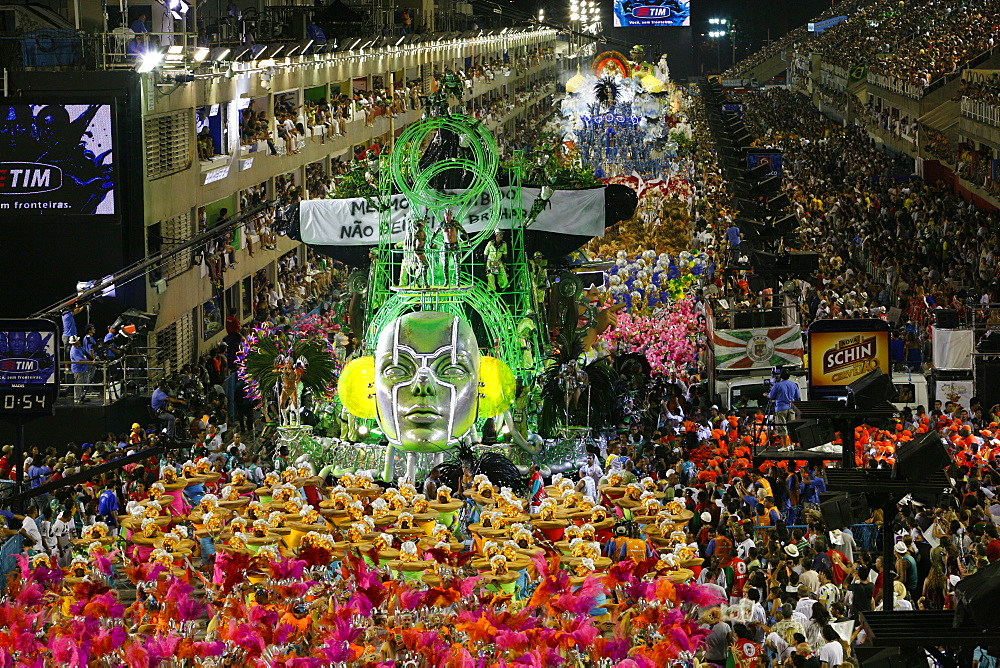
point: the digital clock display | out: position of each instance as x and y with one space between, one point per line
29 366
18 399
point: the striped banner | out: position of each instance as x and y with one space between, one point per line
757 348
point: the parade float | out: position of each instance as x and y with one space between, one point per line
624 118
461 265
464 260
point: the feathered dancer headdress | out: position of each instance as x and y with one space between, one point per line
500 470
181 604
257 634
108 641
41 574
606 91
555 594
315 555
288 569
369 592
230 569
146 572
339 640
103 605
450 593
449 558
198 649
267 347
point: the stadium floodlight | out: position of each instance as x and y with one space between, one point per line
177 8
149 61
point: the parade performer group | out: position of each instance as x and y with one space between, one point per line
360 568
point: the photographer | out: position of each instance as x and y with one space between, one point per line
160 402
784 392
111 349
81 368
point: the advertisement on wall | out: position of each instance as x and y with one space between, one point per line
29 363
656 13
840 358
820 26
757 348
27 357
56 158
772 158
957 391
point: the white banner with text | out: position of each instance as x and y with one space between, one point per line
355 221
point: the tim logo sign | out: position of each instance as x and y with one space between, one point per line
25 178
652 12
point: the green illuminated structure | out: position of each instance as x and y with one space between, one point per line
436 261
440 264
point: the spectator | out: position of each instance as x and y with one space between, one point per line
30 532
80 366
160 403
139 25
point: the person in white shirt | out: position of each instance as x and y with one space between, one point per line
743 546
214 440
843 541
61 534
592 470
238 442
831 654
45 528
30 532
781 648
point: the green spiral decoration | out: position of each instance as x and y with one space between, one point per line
407 170
414 181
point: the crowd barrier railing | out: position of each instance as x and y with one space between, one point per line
981 111
110 379
866 536
8 550
895 85
121 48
833 76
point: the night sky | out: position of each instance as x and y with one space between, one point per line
754 20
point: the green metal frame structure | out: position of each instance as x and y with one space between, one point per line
452 279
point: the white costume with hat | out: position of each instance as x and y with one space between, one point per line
843 542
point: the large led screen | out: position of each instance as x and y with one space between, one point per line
660 13
56 158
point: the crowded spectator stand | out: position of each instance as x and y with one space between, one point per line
674 532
